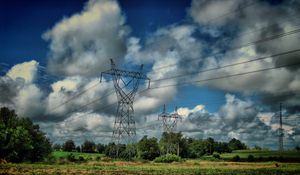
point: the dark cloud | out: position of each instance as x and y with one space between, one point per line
9 89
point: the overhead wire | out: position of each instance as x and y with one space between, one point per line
229 65
75 96
283 34
226 76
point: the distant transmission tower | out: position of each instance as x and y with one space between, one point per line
280 139
169 120
170 124
126 85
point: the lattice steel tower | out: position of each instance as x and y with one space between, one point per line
169 120
126 84
281 134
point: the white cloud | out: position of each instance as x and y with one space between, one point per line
26 70
83 43
29 102
213 11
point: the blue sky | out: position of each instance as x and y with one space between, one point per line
52 50
22 33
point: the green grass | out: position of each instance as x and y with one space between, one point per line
86 156
121 167
103 166
261 155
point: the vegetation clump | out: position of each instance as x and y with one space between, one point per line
250 158
236 158
168 158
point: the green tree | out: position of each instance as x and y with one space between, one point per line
69 146
197 149
21 140
210 143
148 148
129 152
56 147
235 144
41 145
114 151
221 147
257 147
100 148
174 143
88 147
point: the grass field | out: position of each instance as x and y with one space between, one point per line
288 156
86 156
98 164
187 167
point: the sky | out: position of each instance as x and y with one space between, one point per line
196 54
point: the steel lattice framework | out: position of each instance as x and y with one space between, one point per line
126 84
169 120
280 130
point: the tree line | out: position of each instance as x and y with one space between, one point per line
150 148
21 140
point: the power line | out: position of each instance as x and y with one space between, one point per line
92 102
265 28
227 76
280 35
229 65
190 82
75 96
237 47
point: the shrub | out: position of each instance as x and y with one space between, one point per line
71 157
81 159
250 158
98 158
168 158
216 155
236 158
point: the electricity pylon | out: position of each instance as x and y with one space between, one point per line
170 124
126 84
280 139
169 120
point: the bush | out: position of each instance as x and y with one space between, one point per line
71 157
168 158
250 158
216 155
81 159
236 158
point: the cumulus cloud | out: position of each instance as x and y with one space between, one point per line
171 45
250 27
29 102
216 11
237 118
83 43
79 127
65 98
9 90
27 71
20 92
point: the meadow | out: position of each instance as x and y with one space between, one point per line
99 164
260 155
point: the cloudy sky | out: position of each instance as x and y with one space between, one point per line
226 64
